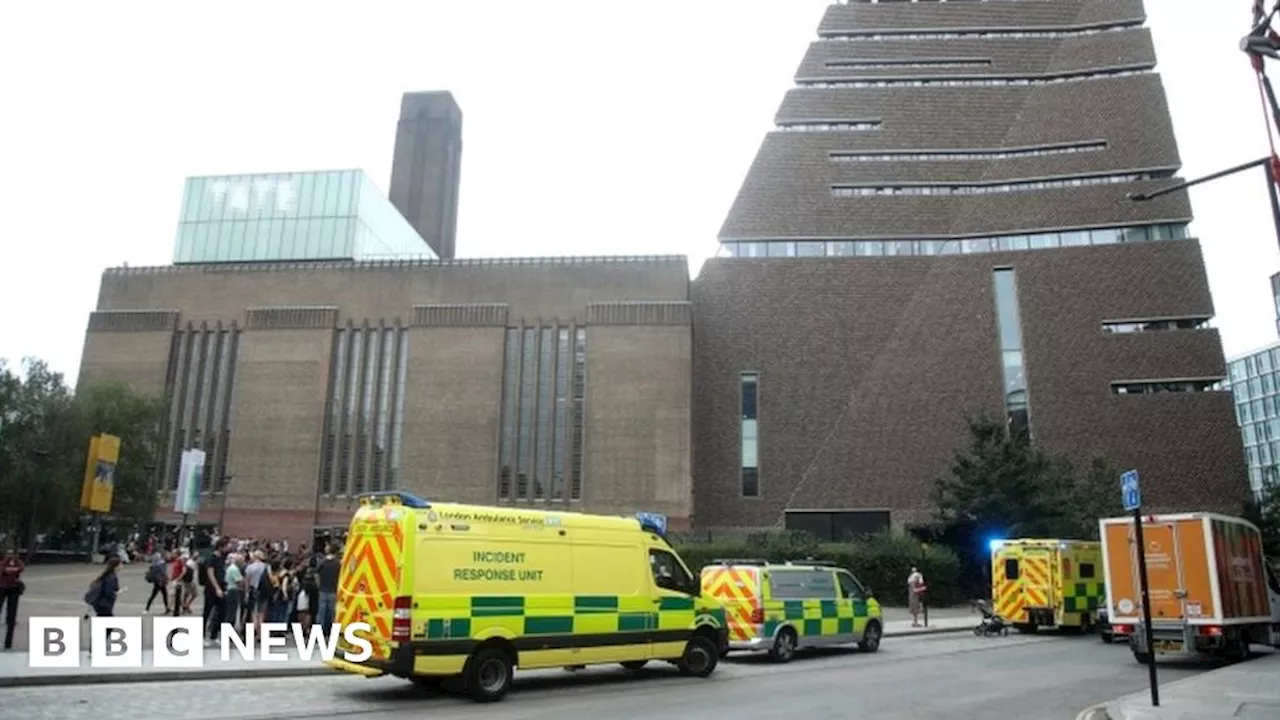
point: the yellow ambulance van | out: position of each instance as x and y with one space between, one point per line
470 593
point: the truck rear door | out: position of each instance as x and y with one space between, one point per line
1164 571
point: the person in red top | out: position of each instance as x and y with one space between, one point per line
11 587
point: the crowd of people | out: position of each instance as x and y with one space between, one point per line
243 582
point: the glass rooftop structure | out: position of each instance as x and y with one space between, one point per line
326 215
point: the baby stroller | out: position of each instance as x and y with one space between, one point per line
992 624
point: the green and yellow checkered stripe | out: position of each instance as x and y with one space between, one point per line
1083 596
458 618
814 617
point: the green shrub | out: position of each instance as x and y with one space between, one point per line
881 562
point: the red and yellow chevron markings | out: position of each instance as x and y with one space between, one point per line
1036 581
735 587
371 574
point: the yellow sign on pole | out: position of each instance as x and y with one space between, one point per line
91 468
100 473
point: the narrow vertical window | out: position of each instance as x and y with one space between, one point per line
228 404
1014 371
397 434
369 383
563 355
546 395
204 428
384 409
334 421
510 410
352 393
177 401
579 409
527 399
749 386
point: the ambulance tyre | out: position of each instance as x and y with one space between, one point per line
784 646
870 641
700 657
488 674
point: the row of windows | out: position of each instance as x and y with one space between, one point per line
897 64
986 33
964 246
973 81
544 401
1140 326
1165 386
1259 363
1262 431
201 398
989 188
1014 369
944 155
749 385
1262 407
364 425
832 126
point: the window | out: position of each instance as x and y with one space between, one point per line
1087 571
887 64
1008 318
1011 569
1152 387
802 584
974 81
543 400
986 33
749 397
849 586
1076 238
364 426
670 574
966 154
1137 326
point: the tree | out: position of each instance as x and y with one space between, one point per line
39 479
137 419
44 438
1002 486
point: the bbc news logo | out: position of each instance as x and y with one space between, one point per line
178 642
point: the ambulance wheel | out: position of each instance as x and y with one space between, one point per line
1025 629
700 657
488 674
784 646
634 665
870 641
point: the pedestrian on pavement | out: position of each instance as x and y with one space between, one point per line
233 583
212 576
187 583
915 595
104 590
257 588
158 576
327 579
11 588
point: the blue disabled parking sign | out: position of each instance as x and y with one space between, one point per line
1129 491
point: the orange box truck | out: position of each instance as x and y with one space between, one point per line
1211 589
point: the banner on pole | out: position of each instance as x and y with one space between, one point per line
90 470
190 481
100 474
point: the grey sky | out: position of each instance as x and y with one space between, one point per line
590 128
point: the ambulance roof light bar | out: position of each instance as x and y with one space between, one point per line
395 497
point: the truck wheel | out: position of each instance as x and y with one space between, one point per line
1107 637
1238 648
871 637
1142 657
700 657
488 675
784 646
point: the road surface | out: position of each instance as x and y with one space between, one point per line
941 677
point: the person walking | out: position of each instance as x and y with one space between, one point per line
158 576
212 576
104 590
327 579
11 588
915 595
233 584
